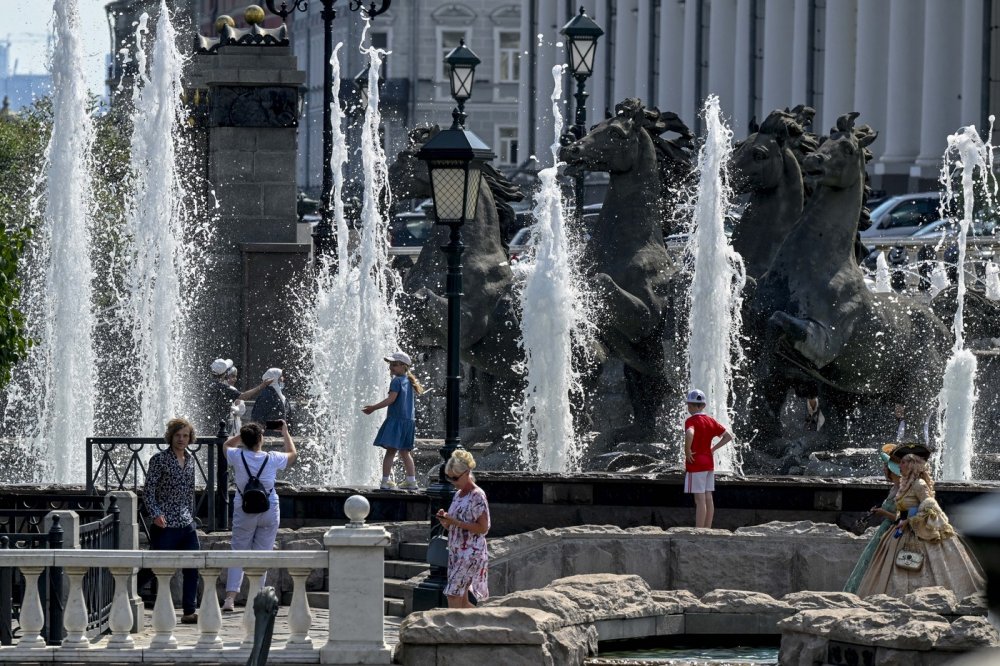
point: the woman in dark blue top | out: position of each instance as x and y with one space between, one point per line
399 429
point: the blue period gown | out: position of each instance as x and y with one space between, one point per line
399 428
861 568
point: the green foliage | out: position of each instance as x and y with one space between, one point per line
22 143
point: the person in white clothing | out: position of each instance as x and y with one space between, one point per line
254 531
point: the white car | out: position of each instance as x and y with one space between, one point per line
902 216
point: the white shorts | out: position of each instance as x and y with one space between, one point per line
699 482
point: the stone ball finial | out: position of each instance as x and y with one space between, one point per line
254 15
222 22
356 507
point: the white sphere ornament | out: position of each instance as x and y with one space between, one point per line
356 507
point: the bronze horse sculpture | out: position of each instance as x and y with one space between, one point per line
633 276
818 319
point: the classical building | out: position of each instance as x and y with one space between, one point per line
916 70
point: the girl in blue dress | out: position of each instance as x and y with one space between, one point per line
398 431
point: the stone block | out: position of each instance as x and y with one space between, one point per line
801 649
233 138
462 655
732 623
648 558
276 138
590 555
274 166
968 633
567 493
483 625
536 568
258 76
240 200
279 200
740 564
933 600
231 166
743 601
670 625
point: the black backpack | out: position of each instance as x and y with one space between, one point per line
255 496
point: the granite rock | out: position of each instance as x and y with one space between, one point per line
916 630
809 600
967 633
974 604
886 603
486 625
933 600
801 649
818 622
589 597
742 601
798 528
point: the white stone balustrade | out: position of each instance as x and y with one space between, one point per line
354 554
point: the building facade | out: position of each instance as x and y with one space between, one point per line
916 70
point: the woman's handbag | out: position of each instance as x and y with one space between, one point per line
437 551
911 556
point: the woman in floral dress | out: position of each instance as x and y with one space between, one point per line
467 521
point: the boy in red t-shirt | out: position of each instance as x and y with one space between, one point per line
699 431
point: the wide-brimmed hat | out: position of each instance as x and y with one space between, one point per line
885 456
398 357
220 366
907 448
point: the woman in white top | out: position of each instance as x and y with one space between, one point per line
254 531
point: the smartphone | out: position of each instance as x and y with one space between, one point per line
274 425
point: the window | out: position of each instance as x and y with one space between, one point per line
508 56
913 213
380 40
507 145
448 39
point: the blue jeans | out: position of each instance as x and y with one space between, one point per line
179 538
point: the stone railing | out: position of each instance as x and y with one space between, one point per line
353 558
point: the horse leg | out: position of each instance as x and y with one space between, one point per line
809 337
646 393
625 313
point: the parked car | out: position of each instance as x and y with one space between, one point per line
520 245
903 215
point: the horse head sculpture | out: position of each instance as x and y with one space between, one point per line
839 161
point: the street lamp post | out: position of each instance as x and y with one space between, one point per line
454 159
581 42
324 242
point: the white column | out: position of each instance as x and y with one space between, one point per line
643 63
597 84
254 575
525 121
838 61
871 68
356 573
743 61
75 614
670 56
972 63
299 615
163 612
941 87
779 25
121 619
902 131
548 55
32 616
800 53
625 55
691 71
209 613
722 54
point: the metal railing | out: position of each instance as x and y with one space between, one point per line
12 585
119 463
98 585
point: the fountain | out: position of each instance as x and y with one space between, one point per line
714 321
957 400
354 323
552 325
50 401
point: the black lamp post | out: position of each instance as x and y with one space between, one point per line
324 242
454 158
581 42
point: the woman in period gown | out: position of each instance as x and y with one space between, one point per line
922 528
887 511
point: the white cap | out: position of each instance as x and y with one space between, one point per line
399 356
273 374
221 365
696 396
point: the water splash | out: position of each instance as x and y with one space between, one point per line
957 400
939 279
50 400
716 284
992 281
155 224
355 322
883 283
552 324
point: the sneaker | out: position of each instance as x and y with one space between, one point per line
189 618
387 485
229 605
409 485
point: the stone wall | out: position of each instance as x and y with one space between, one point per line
776 558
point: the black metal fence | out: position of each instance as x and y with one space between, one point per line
119 463
99 584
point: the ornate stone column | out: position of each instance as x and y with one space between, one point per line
597 84
972 63
670 49
838 61
802 42
691 65
871 67
779 24
902 131
941 91
643 52
745 60
625 45
722 54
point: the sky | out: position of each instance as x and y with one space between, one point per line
26 23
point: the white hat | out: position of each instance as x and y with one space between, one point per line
273 374
399 356
221 365
696 396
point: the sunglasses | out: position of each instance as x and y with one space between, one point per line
453 479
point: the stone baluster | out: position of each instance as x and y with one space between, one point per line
209 613
164 620
75 616
357 615
32 617
249 618
299 615
121 619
